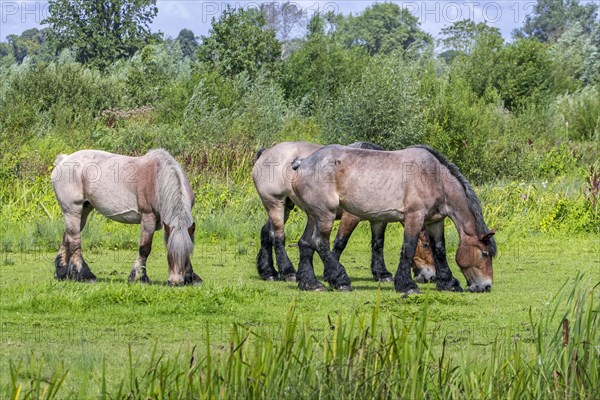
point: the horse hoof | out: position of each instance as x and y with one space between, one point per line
344 288
384 279
410 292
452 286
269 278
289 278
312 287
87 278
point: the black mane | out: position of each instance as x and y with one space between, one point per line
366 145
472 199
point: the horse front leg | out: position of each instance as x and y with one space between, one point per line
77 268
138 272
378 268
443 276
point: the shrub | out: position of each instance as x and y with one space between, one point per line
65 96
580 113
384 107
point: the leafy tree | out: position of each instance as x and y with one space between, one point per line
284 18
31 43
480 68
240 41
525 73
382 28
591 68
568 55
384 107
188 42
550 18
461 35
101 32
6 55
321 67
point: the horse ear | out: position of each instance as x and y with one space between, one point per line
192 229
167 229
488 236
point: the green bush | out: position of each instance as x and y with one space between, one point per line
60 96
384 107
580 114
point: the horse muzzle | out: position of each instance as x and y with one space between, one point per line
479 287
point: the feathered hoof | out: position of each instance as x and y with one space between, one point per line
383 279
311 286
452 286
344 288
289 278
410 292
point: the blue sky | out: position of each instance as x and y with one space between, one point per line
174 15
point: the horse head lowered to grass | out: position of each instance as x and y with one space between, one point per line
416 186
151 190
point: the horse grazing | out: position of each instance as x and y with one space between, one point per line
151 190
416 186
272 175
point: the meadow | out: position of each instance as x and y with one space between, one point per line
238 336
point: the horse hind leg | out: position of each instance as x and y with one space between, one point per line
264 259
348 223
277 217
306 272
63 270
61 262
77 269
338 278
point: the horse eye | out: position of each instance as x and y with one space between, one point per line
485 253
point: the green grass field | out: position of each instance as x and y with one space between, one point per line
99 336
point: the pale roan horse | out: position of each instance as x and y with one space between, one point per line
272 175
151 190
416 186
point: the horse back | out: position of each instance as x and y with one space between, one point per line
375 185
119 187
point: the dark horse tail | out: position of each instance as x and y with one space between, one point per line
258 154
472 199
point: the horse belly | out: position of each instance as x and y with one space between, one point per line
377 214
118 208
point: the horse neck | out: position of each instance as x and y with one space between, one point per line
460 213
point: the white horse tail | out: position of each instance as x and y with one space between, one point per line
59 158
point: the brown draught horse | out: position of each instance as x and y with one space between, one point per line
416 186
151 190
272 175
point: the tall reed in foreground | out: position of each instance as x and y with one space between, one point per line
366 358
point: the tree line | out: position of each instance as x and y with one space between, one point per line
499 109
